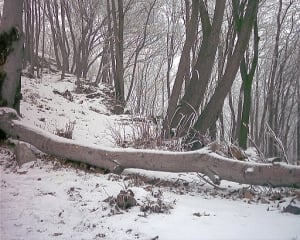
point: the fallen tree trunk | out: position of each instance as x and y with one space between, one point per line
115 159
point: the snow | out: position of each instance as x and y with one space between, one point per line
249 170
42 200
45 109
49 199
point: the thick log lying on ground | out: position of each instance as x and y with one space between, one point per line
114 159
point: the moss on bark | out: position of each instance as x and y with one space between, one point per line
7 38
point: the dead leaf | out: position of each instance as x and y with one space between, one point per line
248 195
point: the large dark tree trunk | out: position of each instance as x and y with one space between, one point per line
187 110
247 78
183 66
214 107
11 53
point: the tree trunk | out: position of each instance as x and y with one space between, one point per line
67 10
214 107
298 126
111 41
103 71
37 37
183 66
187 110
270 97
10 82
54 34
247 84
216 167
139 47
28 35
118 30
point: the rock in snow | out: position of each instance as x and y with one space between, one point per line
23 153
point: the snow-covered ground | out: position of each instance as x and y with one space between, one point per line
49 199
43 108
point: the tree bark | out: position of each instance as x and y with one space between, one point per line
215 105
118 31
187 110
184 64
213 165
10 85
247 78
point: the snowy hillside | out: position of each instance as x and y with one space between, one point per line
44 106
57 199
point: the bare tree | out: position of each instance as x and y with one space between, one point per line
274 121
139 47
118 31
187 109
102 41
247 77
214 106
184 63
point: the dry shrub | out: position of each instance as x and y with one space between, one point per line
143 134
66 132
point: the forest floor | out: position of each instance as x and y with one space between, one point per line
53 198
